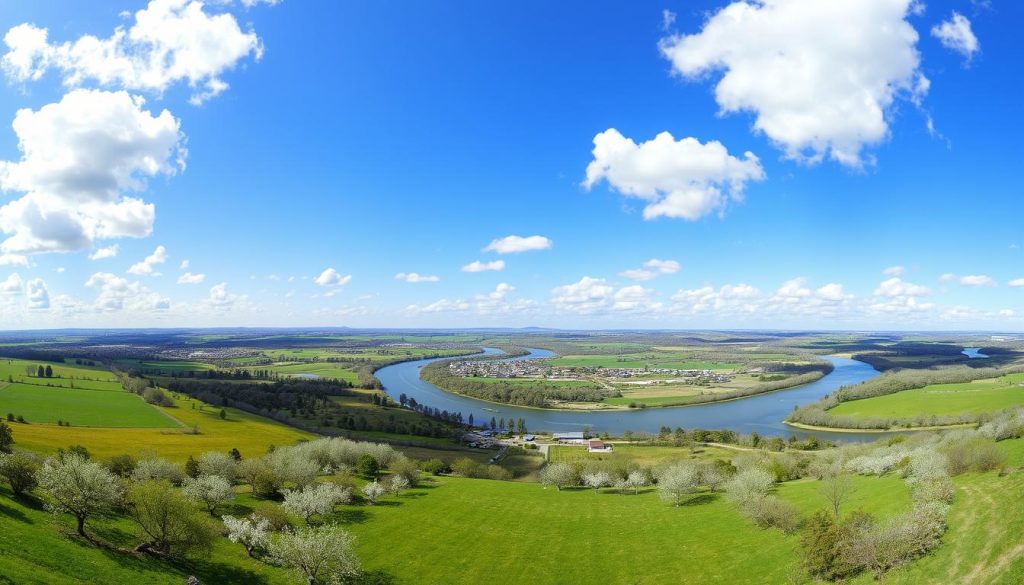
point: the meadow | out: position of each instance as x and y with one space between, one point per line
249 433
978 396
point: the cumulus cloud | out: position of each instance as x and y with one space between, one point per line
947 277
331 277
831 292
478 266
146 266
13 285
897 287
189 278
894 271
956 34
119 294
37 294
588 295
12 259
651 270
415 278
170 41
516 244
977 280
1016 282
221 299
676 178
820 77
496 302
105 252
79 158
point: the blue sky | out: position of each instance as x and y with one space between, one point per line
357 141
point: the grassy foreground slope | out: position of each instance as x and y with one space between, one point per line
504 532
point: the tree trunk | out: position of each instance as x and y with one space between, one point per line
81 526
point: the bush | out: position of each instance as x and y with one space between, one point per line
167 520
407 469
157 396
435 466
771 512
19 469
275 515
122 465
367 466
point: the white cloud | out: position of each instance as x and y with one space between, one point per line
977 280
12 259
651 270
79 157
894 271
1016 282
831 292
106 252
897 287
1007 313
588 295
222 300
793 290
516 244
59 269
119 294
478 266
145 268
170 41
668 18
680 179
415 278
947 277
956 34
184 265
331 277
189 278
13 285
820 77
38 295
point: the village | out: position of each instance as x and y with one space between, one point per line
542 368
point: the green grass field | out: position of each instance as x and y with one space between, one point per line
86 408
249 433
975 397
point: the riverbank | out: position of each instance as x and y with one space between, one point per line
819 428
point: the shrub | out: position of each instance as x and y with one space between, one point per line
167 519
407 469
275 515
157 396
122 465
435 466
19 469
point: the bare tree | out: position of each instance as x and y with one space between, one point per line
837 488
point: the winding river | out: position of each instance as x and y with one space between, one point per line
762 414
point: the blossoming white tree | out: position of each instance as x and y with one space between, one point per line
210 490
321 554
253 532
315 500
79 487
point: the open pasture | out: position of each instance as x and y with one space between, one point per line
979 396
80 407
249 433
